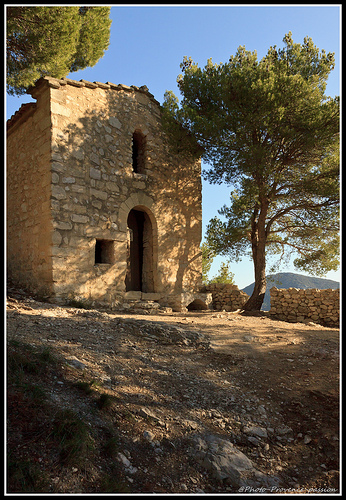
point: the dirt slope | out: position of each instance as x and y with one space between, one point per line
269 387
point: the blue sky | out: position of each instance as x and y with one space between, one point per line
148 43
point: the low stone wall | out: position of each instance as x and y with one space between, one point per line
297 305
226 297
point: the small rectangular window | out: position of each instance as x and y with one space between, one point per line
104 252
138 152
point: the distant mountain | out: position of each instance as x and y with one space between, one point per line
291 280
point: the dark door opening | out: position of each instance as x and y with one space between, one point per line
139 275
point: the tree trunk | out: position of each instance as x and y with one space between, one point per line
258 242
256 300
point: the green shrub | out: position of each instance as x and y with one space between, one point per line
105 401
75 441
23 476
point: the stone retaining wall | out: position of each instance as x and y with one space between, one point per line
296 305
226 297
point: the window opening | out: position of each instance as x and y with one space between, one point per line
104 252
138 152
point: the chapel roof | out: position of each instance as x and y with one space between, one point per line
28 108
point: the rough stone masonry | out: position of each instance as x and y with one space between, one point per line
98 208
296 305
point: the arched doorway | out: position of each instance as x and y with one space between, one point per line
140 266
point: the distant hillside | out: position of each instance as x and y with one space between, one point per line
291 280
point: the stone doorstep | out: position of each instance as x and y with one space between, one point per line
133 295
137 295
151 296
178 302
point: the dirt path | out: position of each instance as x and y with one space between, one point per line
269 387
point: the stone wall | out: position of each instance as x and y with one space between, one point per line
28 195
226 297
297 305
72 182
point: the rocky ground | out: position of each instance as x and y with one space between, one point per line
203 402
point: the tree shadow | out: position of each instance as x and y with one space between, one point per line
185 387
95 187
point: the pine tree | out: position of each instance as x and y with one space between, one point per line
53 41
267 129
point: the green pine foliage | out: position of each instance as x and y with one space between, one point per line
207 260
53 41
224 276
266 128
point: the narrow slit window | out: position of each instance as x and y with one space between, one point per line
104 251
138 152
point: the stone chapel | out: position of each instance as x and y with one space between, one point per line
98 208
